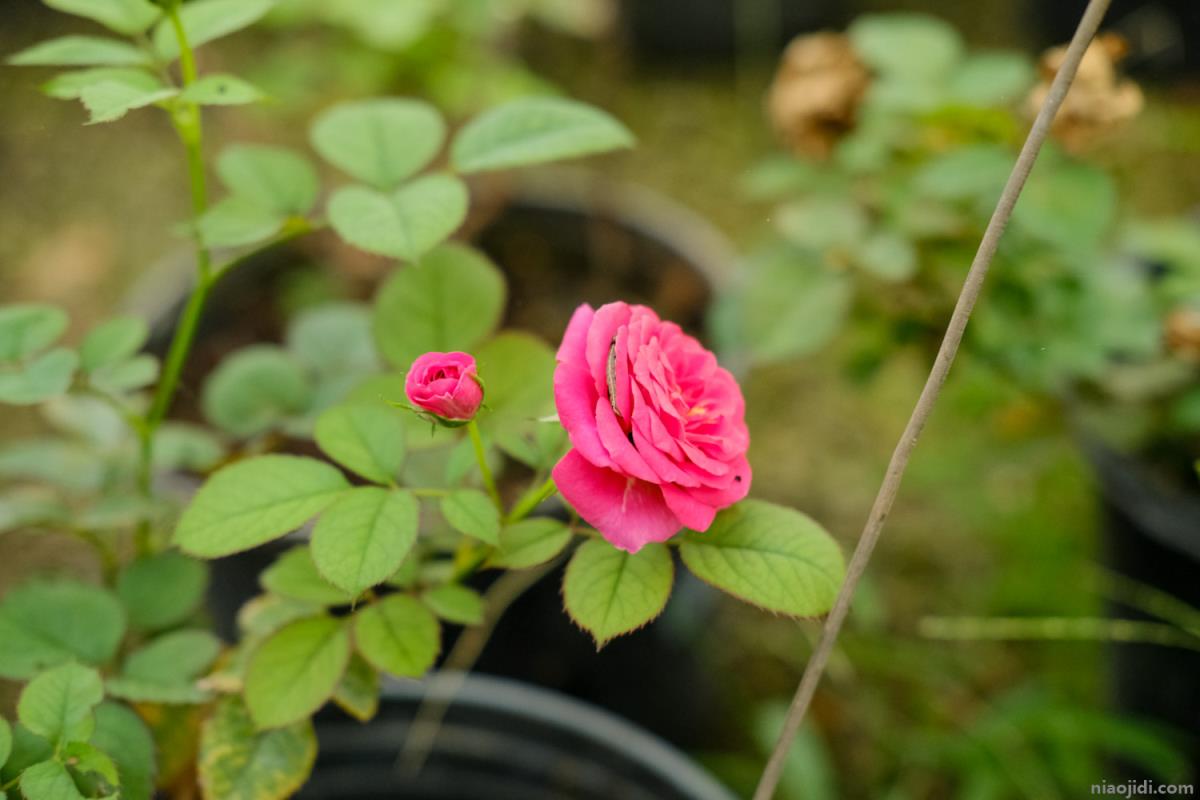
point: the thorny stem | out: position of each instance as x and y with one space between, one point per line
886 496
186 117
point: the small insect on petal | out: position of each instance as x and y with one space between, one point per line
612 377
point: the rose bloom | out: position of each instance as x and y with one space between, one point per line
657 427
446 385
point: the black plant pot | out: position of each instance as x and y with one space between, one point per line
1152 535
500 740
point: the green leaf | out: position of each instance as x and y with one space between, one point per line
136 690
54 461
790 305
108 101
221 90
57 704
44 377
398 635
173 657
993 79
407 575
122 734
391 27
126 376
381 142
49 780
267 613
609 592
472 512
184 446
530 542
28 329
95 424
906 46
976 173
80 51
518 370
129 17
46 624
887 256
254 389
364 537
335 339
112 341
163 590
365 438
254 501
768 555
1069 204
87 759
533 131
274 178
31 508
358 692
27 749
406 224
455 603
294 575
450 300
236 221
206 20
238 762
823 223
295 671
70 85
6 741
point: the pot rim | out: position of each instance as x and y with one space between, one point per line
555 710
1168 514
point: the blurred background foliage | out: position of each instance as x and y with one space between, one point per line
854 250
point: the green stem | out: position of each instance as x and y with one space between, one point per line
531 500
186 117
489 482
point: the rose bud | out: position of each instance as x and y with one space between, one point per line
446 386
657 427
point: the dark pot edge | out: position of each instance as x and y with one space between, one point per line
561 711
1168 514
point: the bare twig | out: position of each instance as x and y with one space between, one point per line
929 394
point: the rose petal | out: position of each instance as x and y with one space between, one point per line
629 513
692 512
573 349
731 490
618 446
575 399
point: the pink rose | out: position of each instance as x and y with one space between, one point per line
446 385
657 427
